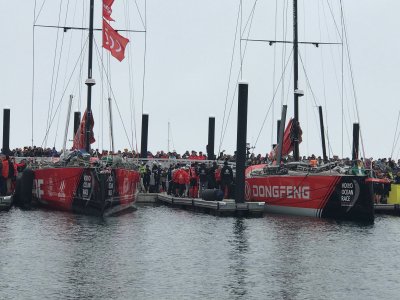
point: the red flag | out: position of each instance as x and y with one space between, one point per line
107 11
79 139
287 146
114 42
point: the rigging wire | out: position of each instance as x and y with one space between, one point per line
240 39
101 132
343 88
334 19
249 22
288 88
273 99
229 77
398 152
308 81
83 39
274 74
395 134
131 79
131 87
99 59
284 33
49 110
102 103
145 51
62 96
352 79
396 144
113 95
323 69
69 46
172 138
33 70
334 65
140 15
36 17
58 71
342 37
58 123
306 97
316 104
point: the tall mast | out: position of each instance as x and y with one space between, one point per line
295 84
89 81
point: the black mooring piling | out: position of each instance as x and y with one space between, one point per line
211 138
241 143
321 124
6 131
356 138
145 132
278 125
77 121
280 135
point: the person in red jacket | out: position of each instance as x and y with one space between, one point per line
218 177
194 181
175 181
201 156
182 177
2 181
193 156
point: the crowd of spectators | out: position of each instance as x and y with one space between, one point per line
383 167
187 180
156 177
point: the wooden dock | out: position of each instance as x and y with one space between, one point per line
5 202
149 198
227 207
388 209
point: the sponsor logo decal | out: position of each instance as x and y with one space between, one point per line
247 191
283 191
37 188
87 185
61 193
127 187
110 185
349 193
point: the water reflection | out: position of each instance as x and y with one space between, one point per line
161 253
237 286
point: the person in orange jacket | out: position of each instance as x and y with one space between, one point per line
6 181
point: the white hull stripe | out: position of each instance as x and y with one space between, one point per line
295 211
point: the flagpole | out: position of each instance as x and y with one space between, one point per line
89 81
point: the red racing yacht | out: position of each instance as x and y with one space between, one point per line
298 188
77 183
87 190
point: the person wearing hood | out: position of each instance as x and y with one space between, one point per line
146 178
226 179
203 178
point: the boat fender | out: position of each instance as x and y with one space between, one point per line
212 195
23 189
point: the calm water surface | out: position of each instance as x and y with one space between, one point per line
165 253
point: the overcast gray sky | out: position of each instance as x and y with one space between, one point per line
189 48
